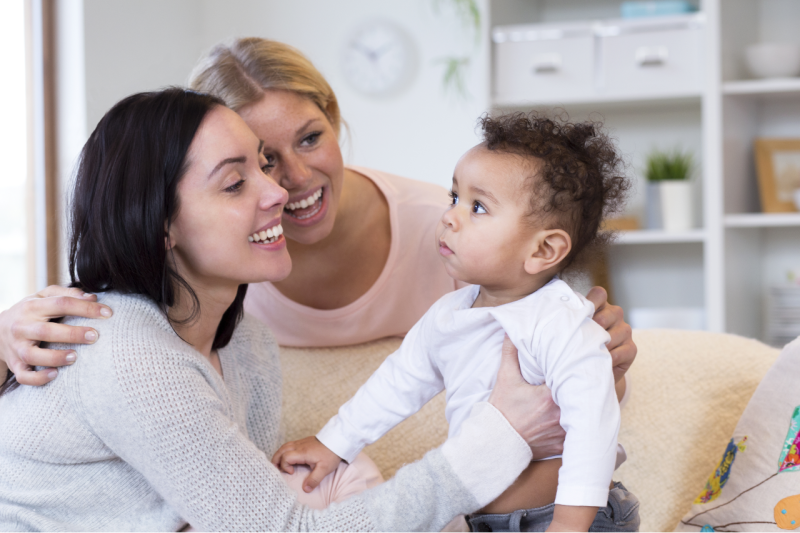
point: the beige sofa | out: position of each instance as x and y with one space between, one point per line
688 390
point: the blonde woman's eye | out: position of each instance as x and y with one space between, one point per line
454 197
267 168
312 138
235 187
478 209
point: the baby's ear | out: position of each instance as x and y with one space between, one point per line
550 247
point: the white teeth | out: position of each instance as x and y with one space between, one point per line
269 235
305 202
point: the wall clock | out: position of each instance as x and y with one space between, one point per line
379 58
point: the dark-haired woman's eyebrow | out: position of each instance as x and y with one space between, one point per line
228 161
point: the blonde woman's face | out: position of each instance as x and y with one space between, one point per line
304 149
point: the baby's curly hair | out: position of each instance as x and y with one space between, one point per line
579 175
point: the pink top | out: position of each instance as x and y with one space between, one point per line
412 280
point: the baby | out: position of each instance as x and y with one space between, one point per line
527 204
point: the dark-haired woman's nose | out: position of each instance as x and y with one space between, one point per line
273 196
295 173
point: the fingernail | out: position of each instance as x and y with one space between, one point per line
87 295
52 374
105 311
91 335
71 357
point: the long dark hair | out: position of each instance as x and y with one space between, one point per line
125 199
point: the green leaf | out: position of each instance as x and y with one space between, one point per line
454 79
674 165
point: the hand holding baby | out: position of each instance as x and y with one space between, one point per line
308 451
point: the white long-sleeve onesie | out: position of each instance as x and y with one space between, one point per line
457 348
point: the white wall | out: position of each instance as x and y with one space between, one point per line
136 45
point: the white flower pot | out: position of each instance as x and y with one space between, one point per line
676 205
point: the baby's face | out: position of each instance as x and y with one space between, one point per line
484 238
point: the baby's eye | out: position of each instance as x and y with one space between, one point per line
454 197
478 209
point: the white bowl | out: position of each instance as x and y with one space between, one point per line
773 60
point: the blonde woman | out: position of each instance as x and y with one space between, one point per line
360 239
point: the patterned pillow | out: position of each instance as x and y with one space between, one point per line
756 486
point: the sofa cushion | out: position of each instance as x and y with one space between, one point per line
755 485
317 381
688 390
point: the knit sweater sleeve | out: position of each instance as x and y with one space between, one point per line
159 406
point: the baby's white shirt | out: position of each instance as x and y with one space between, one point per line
457 348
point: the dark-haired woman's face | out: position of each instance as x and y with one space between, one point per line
227 230
301 143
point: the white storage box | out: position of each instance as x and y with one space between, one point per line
543 63
660 57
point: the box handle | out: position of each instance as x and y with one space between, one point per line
651 56
549 63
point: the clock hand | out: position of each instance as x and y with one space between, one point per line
364 50
382 50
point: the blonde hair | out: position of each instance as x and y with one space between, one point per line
240 71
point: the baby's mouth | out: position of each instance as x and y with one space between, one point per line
307 207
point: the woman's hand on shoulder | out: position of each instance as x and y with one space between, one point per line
529 409
611 318
26 324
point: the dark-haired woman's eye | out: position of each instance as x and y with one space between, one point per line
235 187
453 197
478 208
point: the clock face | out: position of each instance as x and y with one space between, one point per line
378 58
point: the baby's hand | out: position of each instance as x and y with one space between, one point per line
308 451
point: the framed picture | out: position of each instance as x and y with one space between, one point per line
778 166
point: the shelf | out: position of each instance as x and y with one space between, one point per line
646 102
659 236
762 220
762 87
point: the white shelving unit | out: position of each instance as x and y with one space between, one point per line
727 263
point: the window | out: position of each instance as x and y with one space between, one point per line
15 264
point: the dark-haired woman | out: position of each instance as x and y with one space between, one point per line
174 411
359 238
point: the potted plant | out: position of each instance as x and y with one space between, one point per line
669 194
